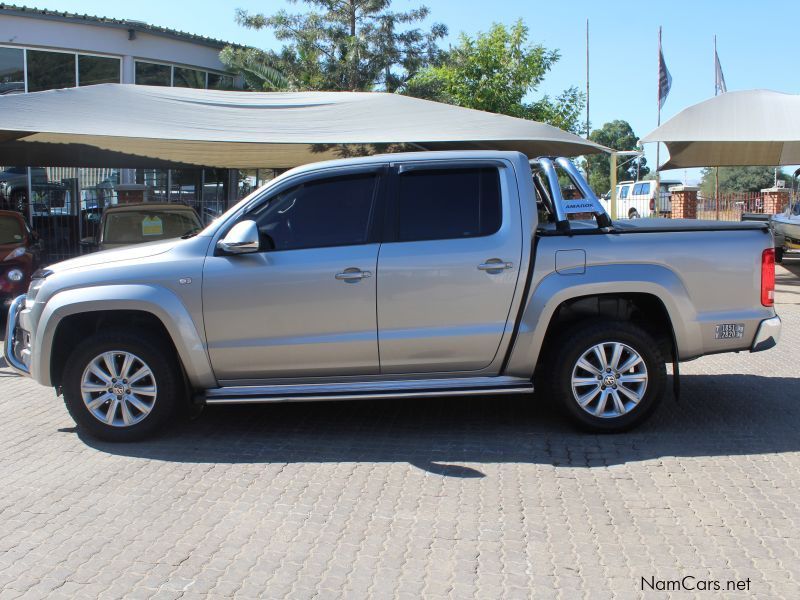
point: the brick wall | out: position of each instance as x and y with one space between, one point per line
775 200
684 201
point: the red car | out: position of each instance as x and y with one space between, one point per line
19 255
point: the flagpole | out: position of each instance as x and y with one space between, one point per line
715 64
586 162
658 144
587 79
716 169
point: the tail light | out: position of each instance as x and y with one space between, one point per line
652 204
768 277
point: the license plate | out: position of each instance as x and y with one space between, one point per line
728 331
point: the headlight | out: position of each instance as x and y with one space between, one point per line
15 275
15 253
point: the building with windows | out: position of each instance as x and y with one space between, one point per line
44 50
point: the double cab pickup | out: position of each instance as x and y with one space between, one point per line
421 274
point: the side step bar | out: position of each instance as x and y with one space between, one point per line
468 386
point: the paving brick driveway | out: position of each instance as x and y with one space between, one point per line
494 498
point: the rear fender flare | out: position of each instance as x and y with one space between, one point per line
555 289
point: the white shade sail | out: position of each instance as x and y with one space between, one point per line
132 125
750 127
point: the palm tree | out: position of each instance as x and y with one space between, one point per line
256 66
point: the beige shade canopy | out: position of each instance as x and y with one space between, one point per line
750 127
131 125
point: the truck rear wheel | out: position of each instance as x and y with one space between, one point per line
609 376
121 387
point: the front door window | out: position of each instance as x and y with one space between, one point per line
318 214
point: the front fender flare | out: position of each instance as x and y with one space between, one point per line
555 289
159 301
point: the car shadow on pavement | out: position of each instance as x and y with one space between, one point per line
718 415
791 276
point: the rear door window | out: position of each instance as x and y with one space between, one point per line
441 204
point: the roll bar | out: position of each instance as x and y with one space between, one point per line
561 207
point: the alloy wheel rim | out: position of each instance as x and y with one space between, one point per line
609 380
118 388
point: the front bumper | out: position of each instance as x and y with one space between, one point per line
16 347
768 334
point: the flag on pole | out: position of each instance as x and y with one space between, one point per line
664 78
719 78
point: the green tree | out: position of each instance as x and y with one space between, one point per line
344 45
617 135
498 71
256 66
739 179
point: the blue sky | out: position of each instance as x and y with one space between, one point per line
756 42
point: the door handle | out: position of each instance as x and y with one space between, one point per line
353 274
495 264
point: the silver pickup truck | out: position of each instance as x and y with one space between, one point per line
421 274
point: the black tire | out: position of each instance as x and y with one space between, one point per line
165 374
779 255
578 339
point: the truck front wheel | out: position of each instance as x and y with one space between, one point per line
121 387
608 376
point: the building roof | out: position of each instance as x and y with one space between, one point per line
127 24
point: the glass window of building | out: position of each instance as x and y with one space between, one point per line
12 71
248 182
155 182
97 69
153 74
217 81
191 78
50 70
214 194
266 175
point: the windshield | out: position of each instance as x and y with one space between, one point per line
137 226
11 231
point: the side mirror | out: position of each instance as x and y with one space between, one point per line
241 239
88 242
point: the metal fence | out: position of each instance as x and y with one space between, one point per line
729 207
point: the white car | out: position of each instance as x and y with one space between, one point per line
636 199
